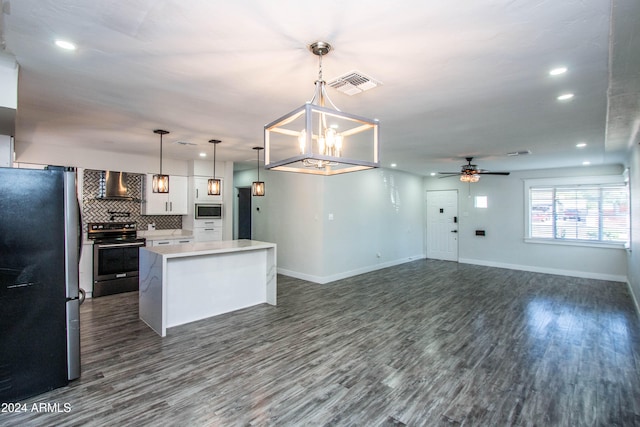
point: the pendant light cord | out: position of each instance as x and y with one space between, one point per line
160 154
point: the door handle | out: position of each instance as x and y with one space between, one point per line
454 231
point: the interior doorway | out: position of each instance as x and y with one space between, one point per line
442 225
244 213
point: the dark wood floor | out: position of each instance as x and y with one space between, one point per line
425 343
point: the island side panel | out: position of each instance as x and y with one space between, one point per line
202 286
272 276
150 295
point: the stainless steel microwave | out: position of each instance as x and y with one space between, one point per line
208 210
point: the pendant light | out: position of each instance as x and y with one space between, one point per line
318 138
213 185
257 187
160 181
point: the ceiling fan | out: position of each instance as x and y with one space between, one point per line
470 173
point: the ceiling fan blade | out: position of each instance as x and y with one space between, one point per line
493 173
445 175
449 173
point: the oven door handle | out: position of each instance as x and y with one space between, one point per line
119 245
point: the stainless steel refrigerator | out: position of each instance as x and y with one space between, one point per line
39 293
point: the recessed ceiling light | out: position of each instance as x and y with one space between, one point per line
581 144
565 97
558 71
432 174
63 44
586 163
393 165
203 154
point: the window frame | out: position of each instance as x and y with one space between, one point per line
560 182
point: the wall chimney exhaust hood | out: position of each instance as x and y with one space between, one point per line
113 186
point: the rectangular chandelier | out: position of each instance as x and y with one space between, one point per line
319 140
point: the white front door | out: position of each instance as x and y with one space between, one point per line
442 225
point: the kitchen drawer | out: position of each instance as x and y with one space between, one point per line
208 223
161 242
209 234
183 241
167 242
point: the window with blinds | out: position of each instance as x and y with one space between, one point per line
591 213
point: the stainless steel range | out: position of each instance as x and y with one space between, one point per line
115 257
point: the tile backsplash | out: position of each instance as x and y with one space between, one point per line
96 210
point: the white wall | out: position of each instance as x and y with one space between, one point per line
633 255
504 245
45 154
8 81
6 151
289 215
374 212
377 221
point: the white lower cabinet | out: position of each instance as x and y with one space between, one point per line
207 230
161 242
207 235
167 242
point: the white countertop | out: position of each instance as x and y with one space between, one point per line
165 234
207 248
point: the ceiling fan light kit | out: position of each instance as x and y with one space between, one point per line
318 138
470 177
470 173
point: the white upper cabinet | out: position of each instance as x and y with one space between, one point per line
200 190
172 203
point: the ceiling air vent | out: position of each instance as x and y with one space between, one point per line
519 153
353 82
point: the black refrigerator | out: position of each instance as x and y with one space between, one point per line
39 293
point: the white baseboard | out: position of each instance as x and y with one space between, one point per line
326 279
534 269
634 297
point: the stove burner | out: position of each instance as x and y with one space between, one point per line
111 227
112 232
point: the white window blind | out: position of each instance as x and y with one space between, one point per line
590 213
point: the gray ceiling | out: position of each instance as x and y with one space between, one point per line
458 78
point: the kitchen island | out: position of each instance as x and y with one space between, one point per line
193 281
